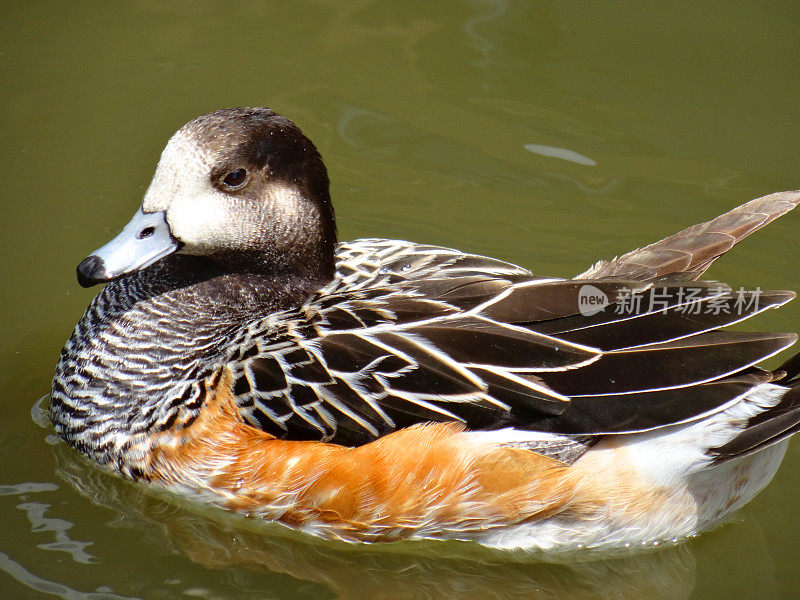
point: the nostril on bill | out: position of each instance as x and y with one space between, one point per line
146 232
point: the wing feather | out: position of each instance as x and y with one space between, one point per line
677 364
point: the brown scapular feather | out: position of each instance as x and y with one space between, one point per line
687 254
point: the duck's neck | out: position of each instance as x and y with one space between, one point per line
314 265
250 286
139 355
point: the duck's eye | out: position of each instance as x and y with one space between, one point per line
235 179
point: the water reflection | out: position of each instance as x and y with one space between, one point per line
35 511
562 153
40 523
218 540
487 11
32 581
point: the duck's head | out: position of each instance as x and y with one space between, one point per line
241 187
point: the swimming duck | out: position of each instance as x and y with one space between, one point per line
381 390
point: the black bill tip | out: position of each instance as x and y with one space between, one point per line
91 271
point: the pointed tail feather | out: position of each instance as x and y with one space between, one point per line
687 254
765 429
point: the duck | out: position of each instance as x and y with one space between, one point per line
381 390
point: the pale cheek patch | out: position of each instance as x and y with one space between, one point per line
206 219
200 221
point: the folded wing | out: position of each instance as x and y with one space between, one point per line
410 333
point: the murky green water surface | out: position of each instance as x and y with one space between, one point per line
549 134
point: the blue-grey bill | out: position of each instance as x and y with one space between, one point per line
144 240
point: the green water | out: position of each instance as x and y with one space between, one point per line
438 122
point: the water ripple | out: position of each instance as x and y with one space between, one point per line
562 153
35 512
29 487
34 582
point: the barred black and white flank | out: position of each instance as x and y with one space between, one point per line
380 389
